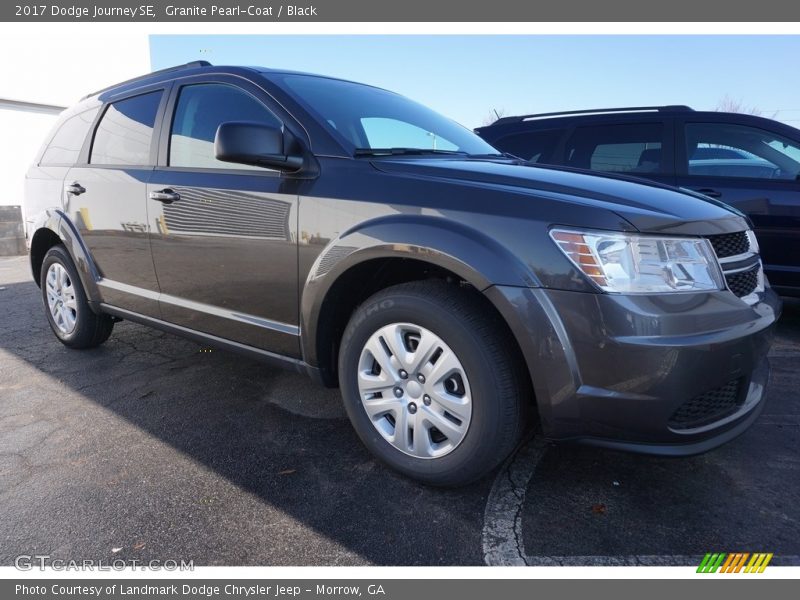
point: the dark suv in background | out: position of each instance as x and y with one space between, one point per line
451 291
748 162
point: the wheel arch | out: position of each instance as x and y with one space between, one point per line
393 250
53 227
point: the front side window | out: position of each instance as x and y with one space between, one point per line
67 142
366 118
200 110
124 134
728 150
634 148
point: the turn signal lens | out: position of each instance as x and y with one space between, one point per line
641 264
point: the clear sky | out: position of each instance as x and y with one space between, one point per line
465 77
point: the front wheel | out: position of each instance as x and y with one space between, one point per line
431 383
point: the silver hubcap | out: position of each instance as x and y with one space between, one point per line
61 298
414 390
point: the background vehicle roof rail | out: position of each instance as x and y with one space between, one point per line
190 65
630 109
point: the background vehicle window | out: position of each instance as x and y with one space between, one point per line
388 133
66 144
124 133
533 146
631 148
200 111
727 150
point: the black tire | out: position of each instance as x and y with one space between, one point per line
500 392
90 329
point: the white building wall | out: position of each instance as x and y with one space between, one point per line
55 70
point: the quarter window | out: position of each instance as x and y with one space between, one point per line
634 148
67 142
728 150
534 146
124 134
200 111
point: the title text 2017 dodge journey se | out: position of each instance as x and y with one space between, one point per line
449 290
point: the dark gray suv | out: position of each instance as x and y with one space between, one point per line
452 292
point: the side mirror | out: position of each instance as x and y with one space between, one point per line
256 144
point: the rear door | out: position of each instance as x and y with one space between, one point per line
106 198
756 171
224 235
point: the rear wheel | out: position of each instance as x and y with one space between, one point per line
431 383
66 306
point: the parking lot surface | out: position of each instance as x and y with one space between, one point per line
152 447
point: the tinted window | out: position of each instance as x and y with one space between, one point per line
67 142
634 148
726 150
200 110
534 146
347 109
125 131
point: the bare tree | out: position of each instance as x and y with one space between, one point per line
493 116
728 104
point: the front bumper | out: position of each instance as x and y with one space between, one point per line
671 374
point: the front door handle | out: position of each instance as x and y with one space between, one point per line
76 189
167 196
709 192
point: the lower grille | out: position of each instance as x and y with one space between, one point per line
709 407
744 282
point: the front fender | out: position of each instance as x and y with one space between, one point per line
57 222
471 255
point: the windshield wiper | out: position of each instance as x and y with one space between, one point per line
402 151
495 155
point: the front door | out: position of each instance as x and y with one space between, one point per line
755 171
224 241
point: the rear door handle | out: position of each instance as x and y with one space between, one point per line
76 189
709 192
167 196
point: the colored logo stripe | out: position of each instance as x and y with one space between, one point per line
735 562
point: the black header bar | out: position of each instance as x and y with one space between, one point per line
154 11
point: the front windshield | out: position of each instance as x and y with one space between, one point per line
369 119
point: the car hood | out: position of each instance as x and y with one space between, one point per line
647 206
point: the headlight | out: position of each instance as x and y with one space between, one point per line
642 264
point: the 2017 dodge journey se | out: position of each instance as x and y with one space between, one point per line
450 291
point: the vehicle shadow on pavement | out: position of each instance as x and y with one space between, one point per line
154 441
153 447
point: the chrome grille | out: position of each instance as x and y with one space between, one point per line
743 282
738 256
730 244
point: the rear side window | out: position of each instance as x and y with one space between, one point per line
533 146
630 148
124 134
68 140
200 111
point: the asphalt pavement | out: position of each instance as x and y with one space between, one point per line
154 447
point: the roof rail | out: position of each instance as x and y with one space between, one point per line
596 111
190 65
